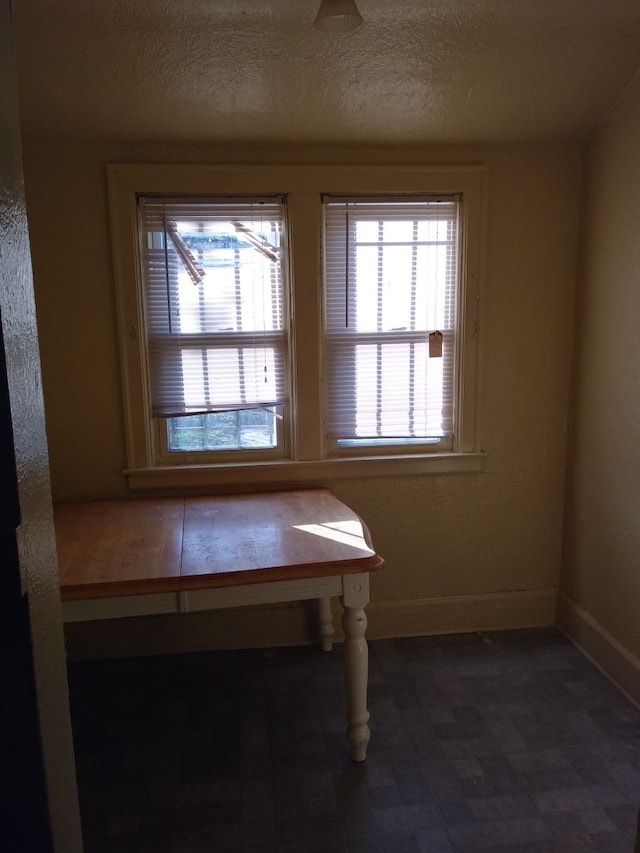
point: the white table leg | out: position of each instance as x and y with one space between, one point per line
354 599
325 624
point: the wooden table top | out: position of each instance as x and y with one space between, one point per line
113 548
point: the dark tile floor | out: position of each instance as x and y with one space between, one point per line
506 741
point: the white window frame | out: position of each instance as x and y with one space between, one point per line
158 319
308 457
343 281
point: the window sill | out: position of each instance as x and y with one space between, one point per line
290 472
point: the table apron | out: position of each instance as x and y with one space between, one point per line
191 601
259 593
86 610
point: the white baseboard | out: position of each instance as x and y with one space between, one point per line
608 654
284 625
454 614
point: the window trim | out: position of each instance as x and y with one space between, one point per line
304 187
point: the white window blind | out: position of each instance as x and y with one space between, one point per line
391 285
214 306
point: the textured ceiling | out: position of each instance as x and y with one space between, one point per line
417 71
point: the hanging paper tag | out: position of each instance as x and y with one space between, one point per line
435 344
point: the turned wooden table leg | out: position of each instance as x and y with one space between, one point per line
354 599
325 624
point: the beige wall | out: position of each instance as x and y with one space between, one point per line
491 540
601 578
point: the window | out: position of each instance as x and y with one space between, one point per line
296 324
214 319
391 290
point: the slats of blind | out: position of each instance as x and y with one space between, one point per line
214 303
391 279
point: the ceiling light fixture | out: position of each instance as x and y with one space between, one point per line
337 16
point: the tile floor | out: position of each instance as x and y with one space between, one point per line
506 741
